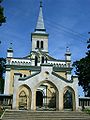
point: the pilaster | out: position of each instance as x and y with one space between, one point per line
7 82
60 100
33 101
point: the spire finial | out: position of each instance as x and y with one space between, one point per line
67 49
40 3
10 45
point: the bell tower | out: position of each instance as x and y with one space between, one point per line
39 37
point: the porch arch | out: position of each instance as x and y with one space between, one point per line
51 92
69 98
24 97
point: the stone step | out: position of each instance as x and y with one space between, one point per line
48 118
44 115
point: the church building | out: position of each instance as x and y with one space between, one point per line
38 81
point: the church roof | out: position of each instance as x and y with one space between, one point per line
40 28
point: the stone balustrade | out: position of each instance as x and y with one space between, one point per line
19 62
60 64
84 102
28 63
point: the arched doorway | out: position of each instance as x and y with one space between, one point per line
46 96
24 97
22 100
39 99
69 99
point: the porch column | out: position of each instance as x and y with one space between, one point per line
14 101
77 101
57 100
60 100
15 91
33 101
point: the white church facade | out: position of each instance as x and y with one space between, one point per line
38 81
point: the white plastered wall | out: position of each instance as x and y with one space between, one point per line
34 82
7 82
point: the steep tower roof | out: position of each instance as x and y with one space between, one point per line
39 37
40 22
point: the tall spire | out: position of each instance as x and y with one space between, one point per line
40 21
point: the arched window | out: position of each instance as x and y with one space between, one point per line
37 44
42 59
20 75
36 60
42 44
24 75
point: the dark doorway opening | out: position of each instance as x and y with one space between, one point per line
39 99
68 102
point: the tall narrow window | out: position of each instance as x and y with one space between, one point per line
46 59
42 44
37 44
36 60
42 59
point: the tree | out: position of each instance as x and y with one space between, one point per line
2 17
2 71
83 71
2 60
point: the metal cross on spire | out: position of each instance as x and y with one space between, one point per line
40 3
10 46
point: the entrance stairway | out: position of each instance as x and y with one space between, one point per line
44 115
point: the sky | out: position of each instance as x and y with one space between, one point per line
66 21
